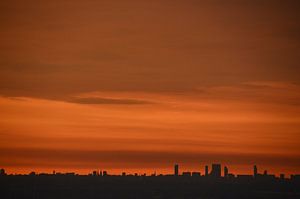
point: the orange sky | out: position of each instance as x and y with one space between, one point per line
192 128
140 85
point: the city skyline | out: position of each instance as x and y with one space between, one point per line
183 184
216 170
140 84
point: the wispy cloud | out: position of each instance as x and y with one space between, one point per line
96 100
139 158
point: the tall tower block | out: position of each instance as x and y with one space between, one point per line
255 171
216 170
225 172
206 170
176 170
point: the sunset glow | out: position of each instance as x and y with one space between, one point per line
137 86
191 128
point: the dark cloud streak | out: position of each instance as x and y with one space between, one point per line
94 100
145 157
52 49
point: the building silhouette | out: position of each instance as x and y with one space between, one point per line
187 184
255 171
186 173
216 171
32 173
176 170
95 173
225 172
2 172
206 170
104 173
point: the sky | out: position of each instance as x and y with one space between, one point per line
137 85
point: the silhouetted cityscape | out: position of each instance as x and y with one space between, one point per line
185 184
215 173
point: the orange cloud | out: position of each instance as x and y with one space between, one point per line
234 125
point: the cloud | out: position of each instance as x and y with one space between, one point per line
96 100
271 84
138 158
108 46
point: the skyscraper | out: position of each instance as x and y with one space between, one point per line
104 173
225 172
2 172
216 170
206 170
176 169
255 171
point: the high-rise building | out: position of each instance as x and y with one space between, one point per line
95 173
206 170
176 170
216 170
2 172
225 172
255 171
104 173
